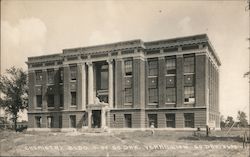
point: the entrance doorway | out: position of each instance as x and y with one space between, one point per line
96 114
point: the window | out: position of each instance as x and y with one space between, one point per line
170 95
153 67
39 101
50 76
170 81
189 95
170 66
188 64
128 67
50 122
128 95
72 120
153 95
128 82
189 80
170 120
128 120
39 77
114 118
104 77
128 89
60 75
170 89
60 121
50 100
73 72
152 119
38 122
153 82
61 100
189 120
153 89
73 98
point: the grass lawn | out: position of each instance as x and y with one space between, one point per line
136 143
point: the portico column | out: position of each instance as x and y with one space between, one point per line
83 87
90 83
89 118
103 118
110 62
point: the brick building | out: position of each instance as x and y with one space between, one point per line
171 83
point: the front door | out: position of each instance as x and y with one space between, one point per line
96 114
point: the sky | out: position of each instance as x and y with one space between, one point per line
31 28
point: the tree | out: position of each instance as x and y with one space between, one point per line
222 121
242 118
13 87
229 121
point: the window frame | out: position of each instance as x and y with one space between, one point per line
170 66
189 123
128 68
41 104
153 68
73 72
39 78
72 117
188 64
73 98
51 76
50 100
171 115
127 120
171 94
189 94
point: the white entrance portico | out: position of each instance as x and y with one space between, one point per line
100 82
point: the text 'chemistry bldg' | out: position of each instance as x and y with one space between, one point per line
171 83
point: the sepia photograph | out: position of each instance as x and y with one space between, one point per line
125 78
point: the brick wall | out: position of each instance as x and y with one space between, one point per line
31 78
200 80
179 81
66 87
161 82
118 83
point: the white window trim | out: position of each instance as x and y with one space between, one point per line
170 74
170 103
189 73
127 104
152 104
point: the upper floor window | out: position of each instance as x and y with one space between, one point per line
60 75
189 80
189 96
153 67
73 72
128 67
39 76
128 95
73 98
39 101
188 64
170 95
50 76
170 66
61 100
50 100
104 77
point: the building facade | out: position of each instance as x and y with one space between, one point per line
171 83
